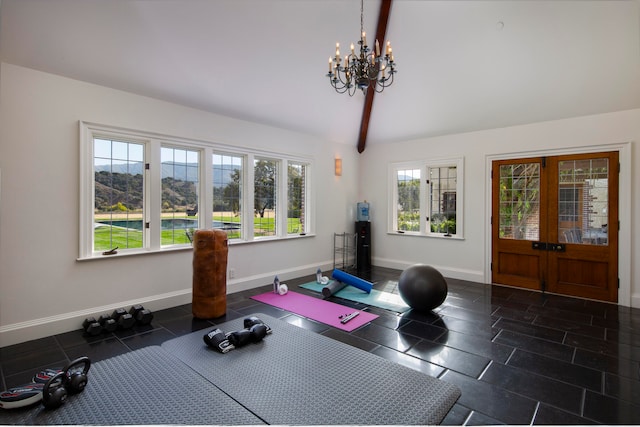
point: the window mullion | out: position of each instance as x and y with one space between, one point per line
205 204
425 205
87 192
248 212
309 198
282 197
153 199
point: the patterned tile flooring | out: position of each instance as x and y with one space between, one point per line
519 357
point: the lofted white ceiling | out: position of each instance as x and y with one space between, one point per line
462 65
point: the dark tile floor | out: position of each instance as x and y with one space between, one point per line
519 357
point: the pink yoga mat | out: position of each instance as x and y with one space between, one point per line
314 308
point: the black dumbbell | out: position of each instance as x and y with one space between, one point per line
107 323
141 314
91 326
123 319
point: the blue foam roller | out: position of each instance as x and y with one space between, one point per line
357 282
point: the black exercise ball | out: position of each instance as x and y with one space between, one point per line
422 287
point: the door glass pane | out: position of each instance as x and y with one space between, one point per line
583 199
520 201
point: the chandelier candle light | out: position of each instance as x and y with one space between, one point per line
368 69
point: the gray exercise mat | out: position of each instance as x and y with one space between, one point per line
298 377
146 386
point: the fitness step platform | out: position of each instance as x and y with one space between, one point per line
291 377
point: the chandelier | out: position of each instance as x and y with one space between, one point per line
367 70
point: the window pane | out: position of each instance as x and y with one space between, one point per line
520 201
442 199
265 179
227 194
180 178
583 199
296 198
408 209
118 195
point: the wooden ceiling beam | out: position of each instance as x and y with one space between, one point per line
383 19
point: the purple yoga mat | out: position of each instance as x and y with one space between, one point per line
314 308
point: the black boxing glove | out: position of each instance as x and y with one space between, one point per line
218 340
253 320
245 336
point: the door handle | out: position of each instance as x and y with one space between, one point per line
544 246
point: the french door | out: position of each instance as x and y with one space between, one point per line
555 224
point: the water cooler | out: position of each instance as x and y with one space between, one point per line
363 237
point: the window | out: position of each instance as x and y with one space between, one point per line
227 193
118 194
408 199
144 192
442 185
296 198
426 198
180 182
265 188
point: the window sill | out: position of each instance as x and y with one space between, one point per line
181 248
429 236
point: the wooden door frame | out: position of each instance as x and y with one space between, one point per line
624 208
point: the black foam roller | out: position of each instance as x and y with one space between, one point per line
332 288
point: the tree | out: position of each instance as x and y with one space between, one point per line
231 193
409 195
295 192
264 186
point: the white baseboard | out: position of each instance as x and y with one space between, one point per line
454 273
46 326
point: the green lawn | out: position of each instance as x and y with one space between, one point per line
106 238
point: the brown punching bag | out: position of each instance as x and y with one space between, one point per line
210 253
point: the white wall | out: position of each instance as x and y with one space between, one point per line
43 289
469 258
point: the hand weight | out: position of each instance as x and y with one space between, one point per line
123 319
108 324
91 326
141 315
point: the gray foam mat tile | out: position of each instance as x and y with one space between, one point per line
146 386
298 377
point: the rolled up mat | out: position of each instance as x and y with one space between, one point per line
333 287
352 280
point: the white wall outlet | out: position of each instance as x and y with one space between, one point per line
232 273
